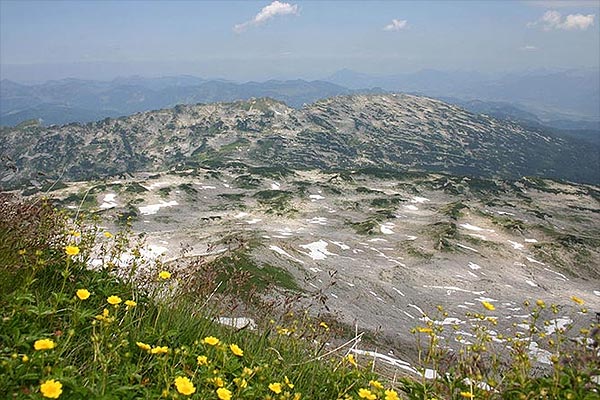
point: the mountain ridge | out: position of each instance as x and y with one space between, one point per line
398 132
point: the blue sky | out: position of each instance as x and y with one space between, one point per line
291 39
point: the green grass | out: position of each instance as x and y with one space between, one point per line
100 348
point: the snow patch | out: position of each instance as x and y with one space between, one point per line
558 323
318 250
341 245
451 289
317 221
540 355
108 201
562 277
534 261
466 247
153 208
279 250
475 228
419 200
474 266
386 228
238 322
516 246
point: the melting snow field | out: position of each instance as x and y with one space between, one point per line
153 208
420 200
386 228
108 201
318 250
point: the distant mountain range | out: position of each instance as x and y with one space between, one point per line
550 95
395 132
571 97
73 100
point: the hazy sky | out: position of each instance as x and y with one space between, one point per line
243 40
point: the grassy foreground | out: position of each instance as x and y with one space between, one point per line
71 332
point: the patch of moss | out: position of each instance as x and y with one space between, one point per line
262 276
247 182
454 210
135 187
366 227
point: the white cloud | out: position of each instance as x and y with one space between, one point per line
578 21
396 25
554 20
268 12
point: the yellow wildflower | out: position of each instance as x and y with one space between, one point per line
241 383
223 394
159 350
351 360
577 300
324 325
44 344
488 306
288 383
114 300
130 303
391 395
275 387
108 235
74 233
540 303
202 360
164 275
22 252
376 384
217 381
236 350
424 330
143 346
467 395
72 250
104 317
247 372
82 294
366 394
184 385
51 389
283 331
211 340
25 358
